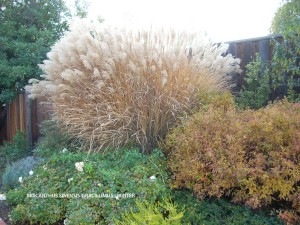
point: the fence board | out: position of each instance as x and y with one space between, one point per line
264 50
246 50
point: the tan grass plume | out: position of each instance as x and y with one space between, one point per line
113 86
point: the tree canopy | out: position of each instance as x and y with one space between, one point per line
287 18
28 28
286 59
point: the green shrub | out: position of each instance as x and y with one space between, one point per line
256 93
249 156
161 213
122 172
12 151
53 140
114 86
285 61
20 168
218 211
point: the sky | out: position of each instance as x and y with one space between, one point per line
220 20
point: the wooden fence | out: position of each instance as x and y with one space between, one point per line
22 114
25 114
246 50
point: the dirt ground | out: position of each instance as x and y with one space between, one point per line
4 211
4 207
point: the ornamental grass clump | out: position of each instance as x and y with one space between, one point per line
112 86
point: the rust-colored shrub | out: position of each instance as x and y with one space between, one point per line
251 156
114 86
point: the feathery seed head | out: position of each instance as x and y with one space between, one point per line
141 79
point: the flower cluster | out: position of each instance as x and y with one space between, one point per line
79 166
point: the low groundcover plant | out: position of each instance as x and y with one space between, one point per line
105 186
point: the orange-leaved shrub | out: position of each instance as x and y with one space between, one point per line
252 157
112 86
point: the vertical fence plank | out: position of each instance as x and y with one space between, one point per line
255 49
3 122
232 49
28 119
246 50
34 121
264 50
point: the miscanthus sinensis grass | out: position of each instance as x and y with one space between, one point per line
113 86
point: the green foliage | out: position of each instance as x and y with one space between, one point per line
285 66
281 75
218 212
285 63
250 156
20 168
11 152
122 172
54 140
82 8
256 93
286 19
27 30
161 213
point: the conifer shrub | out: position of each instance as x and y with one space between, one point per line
113 86
249 156
162 213
20 168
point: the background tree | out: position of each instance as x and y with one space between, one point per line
285 63
28 28
287 17
81 7
268 81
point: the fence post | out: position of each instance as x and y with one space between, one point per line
28 119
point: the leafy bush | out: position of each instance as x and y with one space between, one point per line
249 156
123 172
53 139
20 168
256 93
218 212
12 151
285 61
162 213
114 86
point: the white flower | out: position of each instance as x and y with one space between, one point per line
20 179
64 150
153 177
2 197
70 179
30 172
66 222
45 167
79 166
99 185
